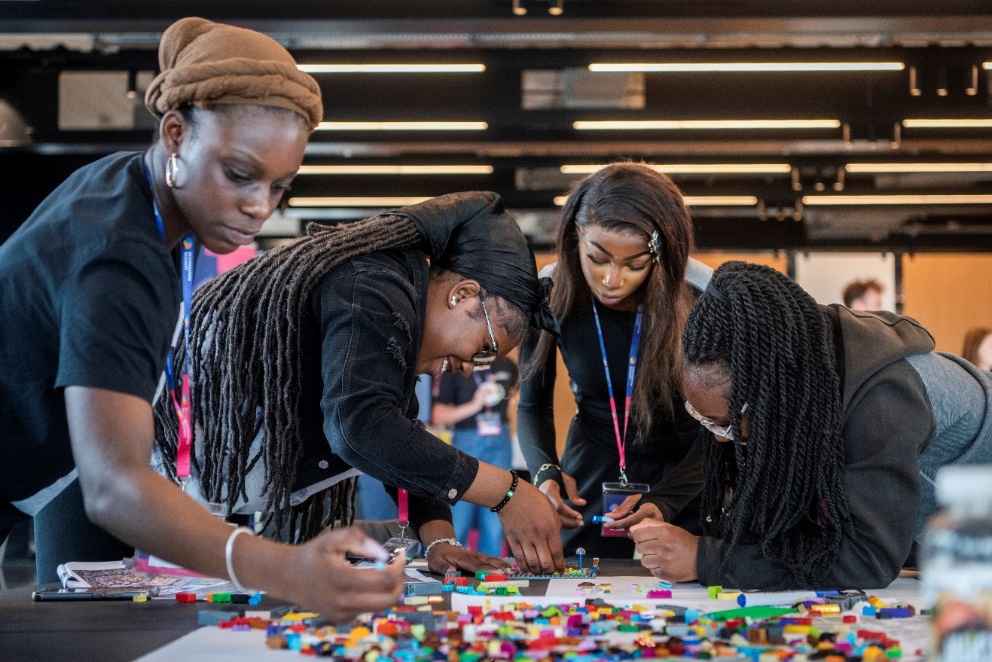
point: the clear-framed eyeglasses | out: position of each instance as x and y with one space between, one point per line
711 425
484 359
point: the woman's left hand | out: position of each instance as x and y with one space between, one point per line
626 519
666 550
446 558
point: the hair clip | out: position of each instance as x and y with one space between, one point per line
653 248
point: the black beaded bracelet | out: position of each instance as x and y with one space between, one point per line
509 493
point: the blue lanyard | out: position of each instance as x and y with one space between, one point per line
181 403
635 343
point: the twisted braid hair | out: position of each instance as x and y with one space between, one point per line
245 347
760 332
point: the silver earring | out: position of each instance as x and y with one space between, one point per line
172 171
454 301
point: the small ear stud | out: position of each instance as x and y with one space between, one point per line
454 302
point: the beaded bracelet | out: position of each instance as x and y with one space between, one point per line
509 493
450 541
544 467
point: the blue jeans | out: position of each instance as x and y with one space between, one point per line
495 450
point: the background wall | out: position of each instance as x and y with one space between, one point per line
948 294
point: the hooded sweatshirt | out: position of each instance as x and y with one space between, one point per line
888 422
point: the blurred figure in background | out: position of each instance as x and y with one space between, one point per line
864 295
978 347
476 408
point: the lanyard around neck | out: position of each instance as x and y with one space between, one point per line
635 343
182 402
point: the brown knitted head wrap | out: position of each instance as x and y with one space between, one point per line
207 64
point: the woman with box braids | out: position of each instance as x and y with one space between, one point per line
766 339
830 426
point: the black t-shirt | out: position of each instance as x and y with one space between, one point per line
457 389
89 296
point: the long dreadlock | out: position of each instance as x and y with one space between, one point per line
769 337
245 346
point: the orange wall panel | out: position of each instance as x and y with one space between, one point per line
948 293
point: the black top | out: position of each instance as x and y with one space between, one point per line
669 459
360 339
456 389
89 296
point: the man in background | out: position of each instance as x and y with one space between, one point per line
864 295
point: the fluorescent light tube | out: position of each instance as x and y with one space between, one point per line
392 68
693 168
697 125
395 170
402 126
679 67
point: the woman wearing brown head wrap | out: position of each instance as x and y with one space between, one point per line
89 294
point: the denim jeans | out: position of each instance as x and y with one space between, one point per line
495 450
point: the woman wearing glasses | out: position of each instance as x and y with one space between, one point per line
306 359
830 427
632 451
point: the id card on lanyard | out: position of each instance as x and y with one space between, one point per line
614 493
401 541
180 401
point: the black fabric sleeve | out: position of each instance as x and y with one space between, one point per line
886 423
117 317
685 481
536 410
367 317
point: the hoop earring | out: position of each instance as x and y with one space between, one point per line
172 171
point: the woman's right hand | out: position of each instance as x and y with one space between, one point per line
570 518
318 576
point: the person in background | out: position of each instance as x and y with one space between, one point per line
863 295
978 347
314 378
827 429
476 408
620 294
90 293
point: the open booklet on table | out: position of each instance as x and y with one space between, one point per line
140 571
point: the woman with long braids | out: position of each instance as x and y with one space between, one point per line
90 292
829 427
620 294
306 359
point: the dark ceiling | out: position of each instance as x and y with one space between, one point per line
529 132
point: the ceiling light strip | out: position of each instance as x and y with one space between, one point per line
963 123
917 167
702 67
936 199
382 201
402 126
692 168
700 200
702 125
395 170
396 68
